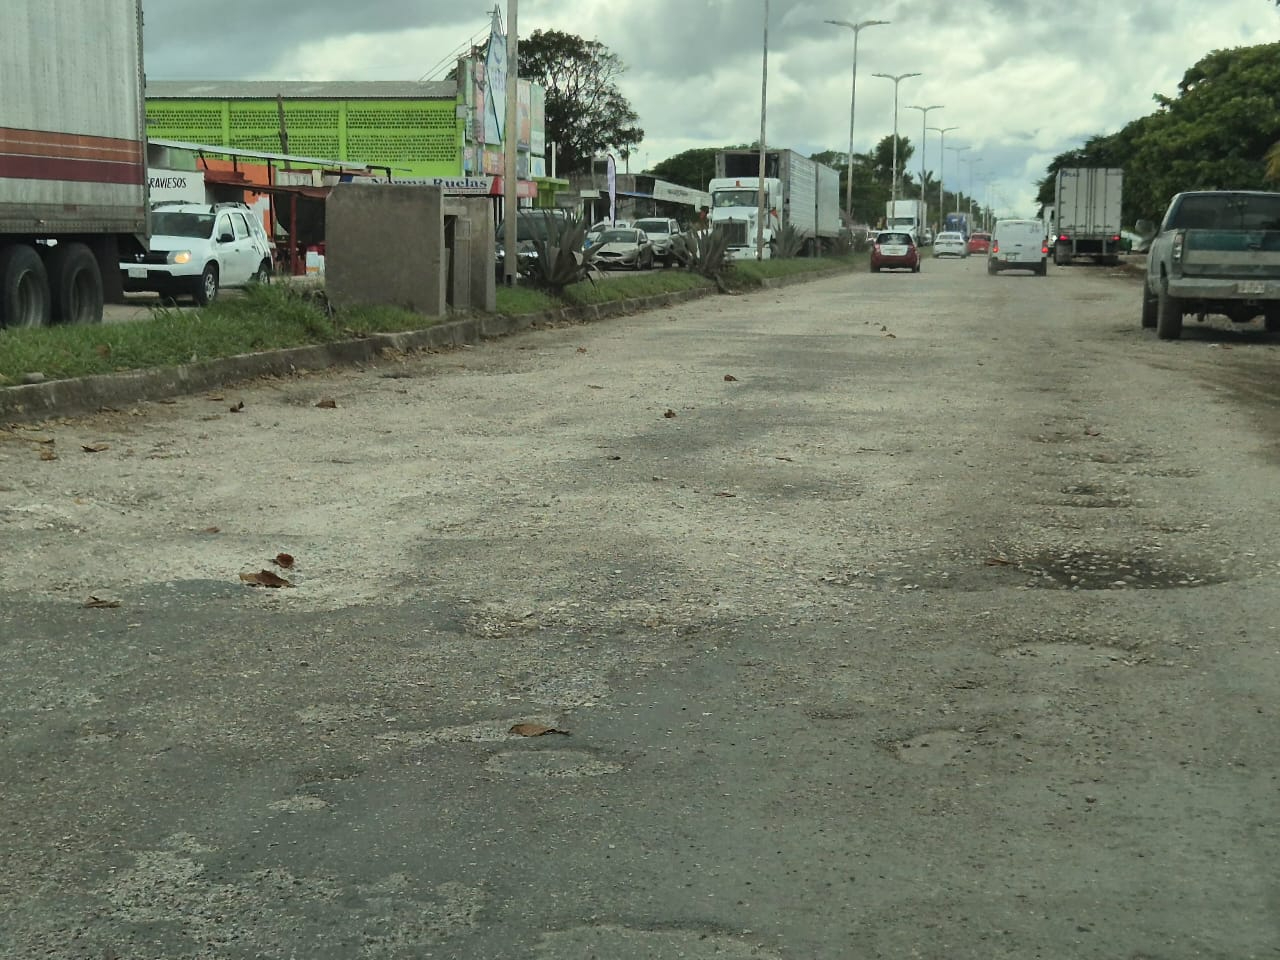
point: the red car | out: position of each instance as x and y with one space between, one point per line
894 250
979 243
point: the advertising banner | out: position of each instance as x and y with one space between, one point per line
496 82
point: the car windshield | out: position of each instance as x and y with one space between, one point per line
893 238
173 224
619 236
653 226
736 198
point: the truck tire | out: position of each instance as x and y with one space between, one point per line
75 284
1042 269
205 290
1148 306
24 287
992 270
1271 321
1168 316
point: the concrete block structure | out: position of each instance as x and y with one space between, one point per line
386 247
409 246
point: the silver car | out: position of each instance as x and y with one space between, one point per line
950 244
661 233
623 248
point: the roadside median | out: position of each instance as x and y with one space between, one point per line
320 341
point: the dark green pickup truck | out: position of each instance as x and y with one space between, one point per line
1217 251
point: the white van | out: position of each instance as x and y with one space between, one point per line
1018 245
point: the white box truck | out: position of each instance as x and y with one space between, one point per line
73 177
799 193
1086 211
909 215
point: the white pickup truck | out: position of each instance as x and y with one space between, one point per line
1217 251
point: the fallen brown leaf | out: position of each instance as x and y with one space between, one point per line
730 378
216 398
103 349
328 404
283 560
725 493
97 603
582 349
594 386
236 408
1092 432
670 414
211 530
535 730
613 456
94 447
998 562
265 578
788 459
48 454
891 336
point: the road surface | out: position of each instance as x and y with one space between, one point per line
878 617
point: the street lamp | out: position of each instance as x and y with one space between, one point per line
853 99
924 120
942 166
957 151
897 79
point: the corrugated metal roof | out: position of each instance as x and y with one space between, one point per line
301 90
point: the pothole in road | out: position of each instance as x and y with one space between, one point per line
552 764
934 748
1071 655
630 943
1090 570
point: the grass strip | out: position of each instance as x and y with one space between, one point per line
280 315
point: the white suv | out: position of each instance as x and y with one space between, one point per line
198 248
661 233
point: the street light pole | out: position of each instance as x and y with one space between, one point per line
957 151
853 101
942 166
897 79
764 101
924 120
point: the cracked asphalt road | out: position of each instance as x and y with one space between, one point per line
886 616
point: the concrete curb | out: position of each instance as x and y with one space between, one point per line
83 395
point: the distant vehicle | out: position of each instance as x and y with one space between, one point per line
593 235
1018 245
73 186
979 242
948 244
1217 251
1086 214
798 192
197 249
661 232
895 250
909 215
623 248
957 222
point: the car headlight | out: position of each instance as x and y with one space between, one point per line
178 256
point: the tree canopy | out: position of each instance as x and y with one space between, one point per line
1217 132
586 114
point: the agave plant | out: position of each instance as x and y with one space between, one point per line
561 260
789 242
704 252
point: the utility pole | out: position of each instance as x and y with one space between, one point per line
510 139
764 102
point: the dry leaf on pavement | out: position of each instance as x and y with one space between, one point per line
97 603
265 578
670 414
328 404
94 447
283 560
535 730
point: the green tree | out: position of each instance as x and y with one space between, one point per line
585 112
1220 130
692 168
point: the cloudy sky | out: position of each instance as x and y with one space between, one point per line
1020 80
